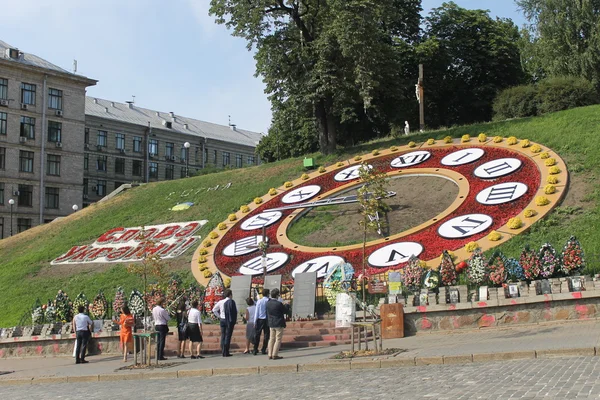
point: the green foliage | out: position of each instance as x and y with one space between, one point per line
516 102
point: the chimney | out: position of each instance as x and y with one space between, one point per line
232 126
172 114
112 103
157 114
95 101
129 104
185 126
106 109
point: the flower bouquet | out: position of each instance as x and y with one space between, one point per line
136 303
573 260
477 271
194 293
514 270
431 280
50 312
64 308
81 300
337 280
37 315
214 293
99 307
497 269
548 260
413 274
447 269
530 262
118 302
174 293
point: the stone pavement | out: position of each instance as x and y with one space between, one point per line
577 338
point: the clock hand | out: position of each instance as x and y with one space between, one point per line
326 202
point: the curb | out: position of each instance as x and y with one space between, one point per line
325 366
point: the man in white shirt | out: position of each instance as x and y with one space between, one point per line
161 318
260 323
82 326
226 311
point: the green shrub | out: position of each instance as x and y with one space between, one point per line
516 102
563 93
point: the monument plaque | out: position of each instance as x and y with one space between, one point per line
240 288
483 293
273 282
305 285
543 287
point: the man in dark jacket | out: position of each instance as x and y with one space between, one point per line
276 318
226 310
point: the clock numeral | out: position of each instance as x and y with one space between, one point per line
260 220
320 265
464 226
464 229
409 159
501 193
493 170
393 255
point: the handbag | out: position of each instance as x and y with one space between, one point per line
183 326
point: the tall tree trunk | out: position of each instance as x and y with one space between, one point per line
327 127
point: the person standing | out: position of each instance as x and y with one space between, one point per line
82 326
250 312
182 323
194 332
161 318
276 318
226 311
261 323
126 333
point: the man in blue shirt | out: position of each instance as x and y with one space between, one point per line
260 323
82 326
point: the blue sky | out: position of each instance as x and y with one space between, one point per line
169 54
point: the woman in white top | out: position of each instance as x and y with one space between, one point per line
250 323
194 330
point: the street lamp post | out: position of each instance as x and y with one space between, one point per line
11 202
75 207
187 158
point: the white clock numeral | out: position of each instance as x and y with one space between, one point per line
320 265
301 194
465 226
260 220
497 168
254 266
242 246
349 173
501 193
394 254
461 157
410 159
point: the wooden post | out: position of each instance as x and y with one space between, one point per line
421 100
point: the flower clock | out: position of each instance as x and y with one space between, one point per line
498 182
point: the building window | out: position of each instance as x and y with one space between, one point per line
28 127
85 187
28 93
137 144
238 160
119 166
1 193
153 147
169 149
225 158
23 224
51 197
101 188
3 89
169 171
55 99
136 168
26 161
215 158
2 157
102 138
120 139
3 123
153 170
250 160
86 136
54 131
25 195
101 163
53 165
182 172
86 162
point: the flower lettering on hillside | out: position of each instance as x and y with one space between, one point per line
134 244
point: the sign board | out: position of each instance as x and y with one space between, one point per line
377 287
453 296
575 284
305 286
240 287
543 287
345 310
513 290
135 244
483 293
394 283
273 282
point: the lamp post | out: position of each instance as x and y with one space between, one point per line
75 207
187 158
12 203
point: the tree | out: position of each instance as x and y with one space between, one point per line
468 58
562 38
329 66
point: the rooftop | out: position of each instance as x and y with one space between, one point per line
132 114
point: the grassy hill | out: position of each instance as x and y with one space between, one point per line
25 272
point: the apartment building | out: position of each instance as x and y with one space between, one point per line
42 120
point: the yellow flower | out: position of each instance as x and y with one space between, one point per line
201 259
552 179
393 148
357 158
541 201
423 264
549 189
515 223
257 200
341 164
544 155
304 177
498 139
227 282
207 243
550 162
245 209
451 253
471 247
375 152
203 252
554 170
535 148
482 137
231 217
512 140
207 274
430 142
530 213
525 143
465 138
213 235
272 191
412 144
322 169
222 226
494 236
448 139
288 184
202 267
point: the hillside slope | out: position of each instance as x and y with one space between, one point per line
26 274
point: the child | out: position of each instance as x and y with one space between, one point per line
126 335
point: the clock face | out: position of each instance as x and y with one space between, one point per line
496 182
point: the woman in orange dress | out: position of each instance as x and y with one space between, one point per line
126 334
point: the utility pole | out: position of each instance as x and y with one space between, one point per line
421 99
